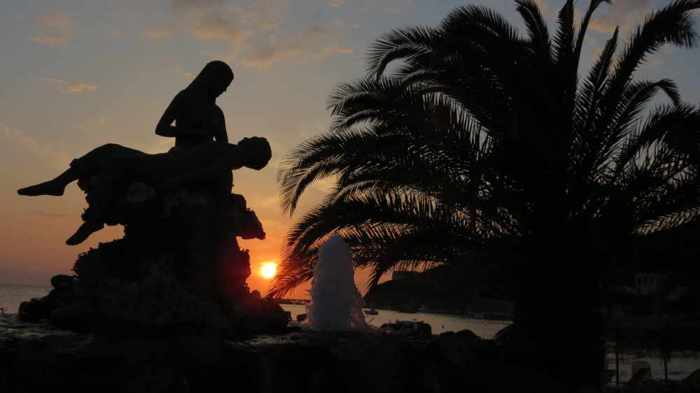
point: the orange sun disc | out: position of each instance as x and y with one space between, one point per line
268 270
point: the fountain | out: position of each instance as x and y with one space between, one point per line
336 303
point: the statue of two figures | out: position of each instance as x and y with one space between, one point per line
179 265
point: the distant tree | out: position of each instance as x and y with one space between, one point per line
470 138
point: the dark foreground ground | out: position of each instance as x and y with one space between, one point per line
39 358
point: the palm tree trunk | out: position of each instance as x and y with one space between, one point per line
558 311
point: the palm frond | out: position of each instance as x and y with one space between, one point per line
537 28
670 25
482 137
593 6
564 50
400 44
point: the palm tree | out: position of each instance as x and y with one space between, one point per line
469 138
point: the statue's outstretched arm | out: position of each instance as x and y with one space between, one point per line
165 124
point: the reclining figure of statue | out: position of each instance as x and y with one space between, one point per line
111 168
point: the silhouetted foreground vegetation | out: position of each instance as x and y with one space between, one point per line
470 139
36 358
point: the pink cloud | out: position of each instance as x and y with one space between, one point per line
255 33
53 29
316 43
218 27
71 87
625 14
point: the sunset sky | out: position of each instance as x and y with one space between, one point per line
77 74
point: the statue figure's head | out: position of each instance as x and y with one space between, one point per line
214 79
256 151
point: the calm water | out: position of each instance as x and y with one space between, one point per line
680 366
12 295
439 323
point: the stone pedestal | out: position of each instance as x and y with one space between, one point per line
178 268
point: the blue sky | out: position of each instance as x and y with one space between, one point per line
77 74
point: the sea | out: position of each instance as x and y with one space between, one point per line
12 295
680 365
439 323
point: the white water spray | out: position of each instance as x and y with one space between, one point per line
336 303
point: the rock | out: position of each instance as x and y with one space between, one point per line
41 358
34 310
295 362
455 348
62 281
178 267
692 381
641 372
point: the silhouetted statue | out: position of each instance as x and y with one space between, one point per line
178 265
110 168
194 111
194 118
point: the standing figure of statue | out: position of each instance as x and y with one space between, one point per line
194 118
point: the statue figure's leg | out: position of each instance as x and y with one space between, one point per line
84 231
100 195
97 171
54 187
94 161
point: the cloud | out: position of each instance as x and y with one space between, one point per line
623 13
544 7
71 87
80 87
53 29
195 4
17 142
254 31
212 26
317 43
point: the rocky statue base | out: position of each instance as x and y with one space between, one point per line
178 269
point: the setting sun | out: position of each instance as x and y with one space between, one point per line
268 270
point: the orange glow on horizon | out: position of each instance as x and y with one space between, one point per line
268 270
